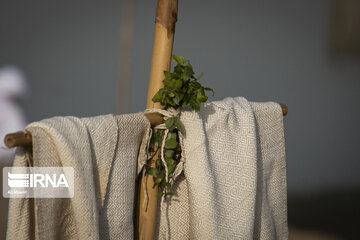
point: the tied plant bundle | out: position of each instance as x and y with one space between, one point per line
181 89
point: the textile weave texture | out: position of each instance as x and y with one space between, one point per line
234 182
103 152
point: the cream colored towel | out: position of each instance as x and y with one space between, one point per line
103 152
234 181
233 186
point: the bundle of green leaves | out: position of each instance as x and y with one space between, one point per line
181 89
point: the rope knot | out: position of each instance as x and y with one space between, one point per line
171 112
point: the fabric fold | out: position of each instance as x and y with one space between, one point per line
234 181
101 150
232 185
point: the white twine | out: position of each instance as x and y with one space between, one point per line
145 202
163 159
171 112
148 156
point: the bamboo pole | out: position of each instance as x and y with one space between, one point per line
166 17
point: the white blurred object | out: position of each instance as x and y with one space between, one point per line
12 86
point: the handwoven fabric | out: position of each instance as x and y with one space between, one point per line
103 152
234 181
233 184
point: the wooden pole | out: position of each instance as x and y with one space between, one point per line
166 17
21 138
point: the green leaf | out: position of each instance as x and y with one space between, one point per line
171 167
158 180
167 74
195 85
157 142
180 96
152 171
157 163
170 102
158 96
176 99
158 135
171 135
169 122
169 154
179 125
174 84
195 105
188 72
165 184
178 149
200 76
179 59
178 70
162 173
171 143
201 97
160 194
210 89
186 100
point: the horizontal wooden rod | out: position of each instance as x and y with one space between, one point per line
24 139
284 109
17 139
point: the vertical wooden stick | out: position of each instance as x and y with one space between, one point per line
166 17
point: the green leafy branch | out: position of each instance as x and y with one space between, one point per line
181 89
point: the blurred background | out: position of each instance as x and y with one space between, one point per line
87 58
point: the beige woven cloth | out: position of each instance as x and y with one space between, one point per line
233 186
234 181
103 152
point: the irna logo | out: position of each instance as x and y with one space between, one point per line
16 180
38 182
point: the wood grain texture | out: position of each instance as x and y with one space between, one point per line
166 16
20 138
